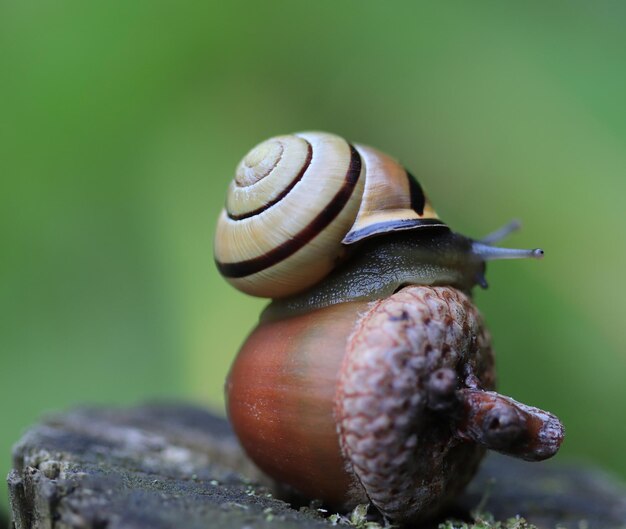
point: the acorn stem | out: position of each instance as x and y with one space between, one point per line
502 232
490 253
502 424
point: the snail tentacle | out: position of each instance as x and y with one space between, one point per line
502 232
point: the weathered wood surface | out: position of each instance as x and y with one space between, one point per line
170 466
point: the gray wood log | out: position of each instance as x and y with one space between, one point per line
170 466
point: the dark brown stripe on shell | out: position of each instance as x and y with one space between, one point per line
393 225
282 194
418 199
314 228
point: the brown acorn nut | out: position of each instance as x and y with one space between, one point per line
380 402
370 377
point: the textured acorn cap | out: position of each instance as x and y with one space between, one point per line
407 461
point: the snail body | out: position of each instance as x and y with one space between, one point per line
370 377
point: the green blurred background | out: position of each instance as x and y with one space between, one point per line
121 124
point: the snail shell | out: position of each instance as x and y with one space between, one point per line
296 203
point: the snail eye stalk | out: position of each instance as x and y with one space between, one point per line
502 233
491 253
487 252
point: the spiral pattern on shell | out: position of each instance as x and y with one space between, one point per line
297 200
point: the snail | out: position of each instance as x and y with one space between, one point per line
370 376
